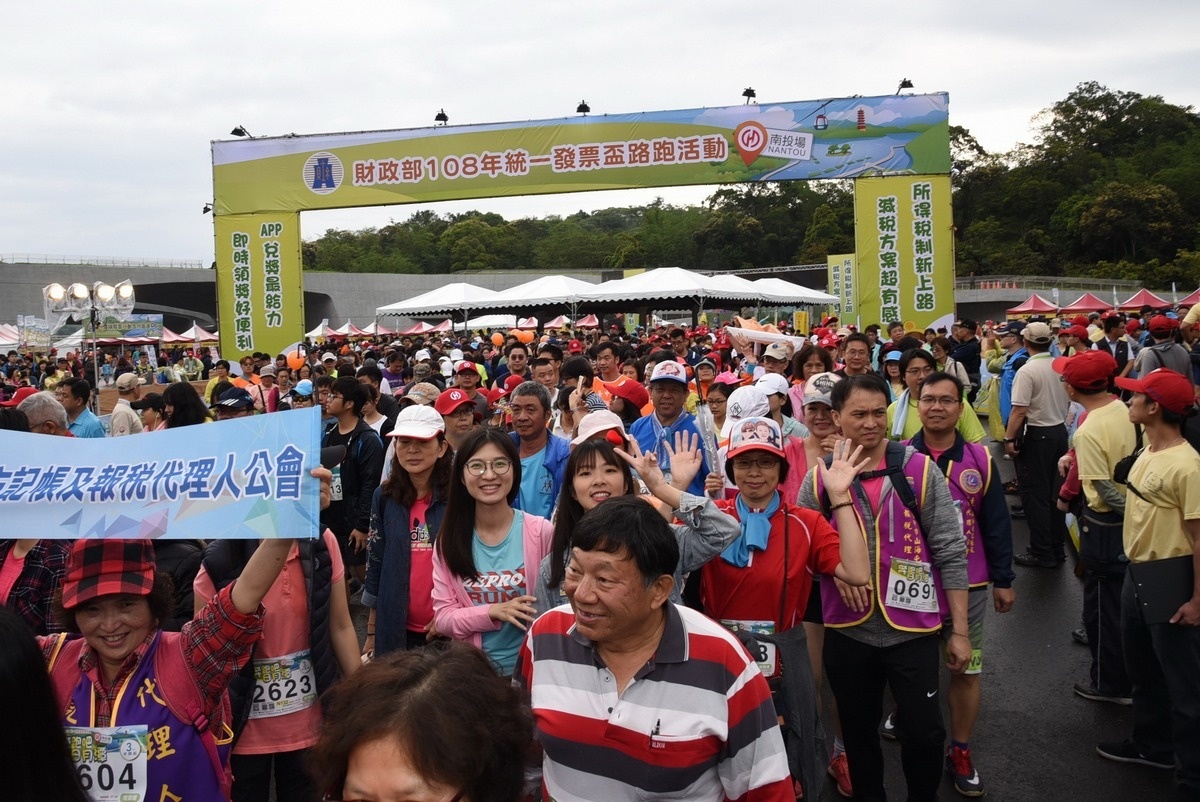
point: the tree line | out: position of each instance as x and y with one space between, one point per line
1109 188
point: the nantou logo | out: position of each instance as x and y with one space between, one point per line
323 173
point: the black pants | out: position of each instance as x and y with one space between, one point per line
1038 480
1102 620
1163 661
857 673
252 777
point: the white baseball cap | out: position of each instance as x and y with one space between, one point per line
744 402
419 422
772 384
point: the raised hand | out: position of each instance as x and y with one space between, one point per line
846 464
686 459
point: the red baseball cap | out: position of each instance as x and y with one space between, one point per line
629 390
1167 387
20 395
450 400
1080 320
1078 331
1087 370
98 568
575 347
1161 324
467 366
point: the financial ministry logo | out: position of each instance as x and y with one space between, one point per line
323 173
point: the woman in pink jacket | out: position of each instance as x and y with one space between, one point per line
486 550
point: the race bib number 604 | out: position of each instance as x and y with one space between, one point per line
110 762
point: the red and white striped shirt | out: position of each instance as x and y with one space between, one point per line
697 721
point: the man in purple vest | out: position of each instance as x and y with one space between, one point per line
977 490
888 632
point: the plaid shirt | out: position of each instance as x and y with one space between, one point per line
31 596
217 644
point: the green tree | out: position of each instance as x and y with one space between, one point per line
1134 223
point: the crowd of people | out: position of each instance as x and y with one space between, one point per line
643 551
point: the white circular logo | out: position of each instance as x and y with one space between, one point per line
323 173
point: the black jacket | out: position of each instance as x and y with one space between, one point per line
360 473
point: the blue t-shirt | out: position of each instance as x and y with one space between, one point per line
537 485
87 425
501 577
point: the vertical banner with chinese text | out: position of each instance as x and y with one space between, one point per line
905 250
843 282
260 298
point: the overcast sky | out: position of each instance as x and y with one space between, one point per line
108 108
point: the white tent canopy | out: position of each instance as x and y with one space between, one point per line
489 322
662 284
456 297
776 290
544 291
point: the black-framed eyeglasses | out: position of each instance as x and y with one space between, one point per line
762 463
499 466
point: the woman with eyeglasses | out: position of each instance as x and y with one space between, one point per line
485 550
903 419
761 583
597 472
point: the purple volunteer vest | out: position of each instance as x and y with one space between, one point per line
178 767
903 540
969 480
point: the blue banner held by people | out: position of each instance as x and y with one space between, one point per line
236 479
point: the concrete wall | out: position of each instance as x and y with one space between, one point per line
186 294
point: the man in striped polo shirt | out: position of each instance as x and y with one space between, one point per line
634 695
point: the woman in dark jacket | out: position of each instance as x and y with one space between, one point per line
406 513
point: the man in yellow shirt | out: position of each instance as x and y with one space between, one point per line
1162 520
1103 439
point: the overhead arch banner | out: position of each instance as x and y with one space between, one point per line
836 138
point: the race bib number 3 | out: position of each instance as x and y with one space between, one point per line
110 762
766 655
283 685
910 587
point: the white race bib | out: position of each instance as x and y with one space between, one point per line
110 761
910 586
766 658
335 486
283 685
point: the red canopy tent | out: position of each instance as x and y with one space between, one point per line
591 321
560 322
419 328
1088 302
1034 304
1144 298
527 323
1190 300
444 326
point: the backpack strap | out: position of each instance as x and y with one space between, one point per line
183 699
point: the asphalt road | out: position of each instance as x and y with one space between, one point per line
1035 740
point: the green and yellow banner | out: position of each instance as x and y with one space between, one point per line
903 234
260 297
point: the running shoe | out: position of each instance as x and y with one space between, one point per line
1126 752
1088 691
959 767
839 770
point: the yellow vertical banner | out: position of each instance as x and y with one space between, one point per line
260 293
903 235
800 322
843 282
